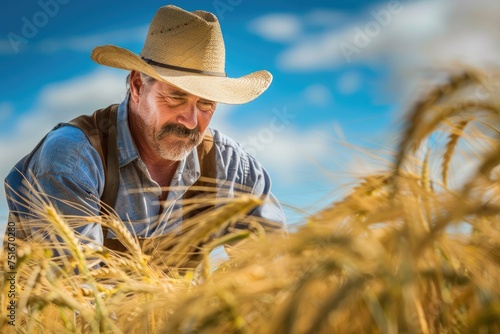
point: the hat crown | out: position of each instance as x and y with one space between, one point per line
185 39
186 50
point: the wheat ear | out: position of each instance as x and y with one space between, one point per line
450 148
202 227
68 236
127 239
417 115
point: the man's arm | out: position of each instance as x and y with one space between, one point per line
68 171
270 214
244 174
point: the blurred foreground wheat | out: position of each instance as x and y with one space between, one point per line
414 249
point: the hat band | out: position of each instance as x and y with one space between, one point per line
184 69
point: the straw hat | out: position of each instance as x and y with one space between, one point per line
187 50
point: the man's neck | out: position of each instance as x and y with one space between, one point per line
162 174
162 171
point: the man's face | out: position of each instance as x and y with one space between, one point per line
170 121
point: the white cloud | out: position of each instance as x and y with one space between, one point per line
418 34
283 27
277 27
65 100
349 82
316 52
318 95
292 152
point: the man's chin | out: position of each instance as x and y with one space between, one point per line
180 152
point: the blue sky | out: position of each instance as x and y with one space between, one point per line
344 71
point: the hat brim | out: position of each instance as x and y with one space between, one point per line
219 89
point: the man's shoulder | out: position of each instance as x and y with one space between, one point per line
64 147
64 137
232 155
224 142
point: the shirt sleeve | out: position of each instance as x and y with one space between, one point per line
245 174
68 172
270 214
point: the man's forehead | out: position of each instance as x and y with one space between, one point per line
171 89
167 88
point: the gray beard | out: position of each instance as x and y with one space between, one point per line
181 149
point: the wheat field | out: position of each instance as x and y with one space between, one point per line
414 248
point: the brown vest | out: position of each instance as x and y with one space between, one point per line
100 129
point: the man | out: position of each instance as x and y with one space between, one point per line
174 87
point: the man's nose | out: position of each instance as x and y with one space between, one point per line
188 116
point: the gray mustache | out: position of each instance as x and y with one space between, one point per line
179 130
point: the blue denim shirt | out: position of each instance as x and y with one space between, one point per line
66 167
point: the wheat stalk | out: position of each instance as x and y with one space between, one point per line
200 229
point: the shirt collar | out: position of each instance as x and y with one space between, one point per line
127 151
188 170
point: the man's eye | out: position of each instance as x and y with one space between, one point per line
176 99
206 105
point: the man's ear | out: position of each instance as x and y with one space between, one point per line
135 84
